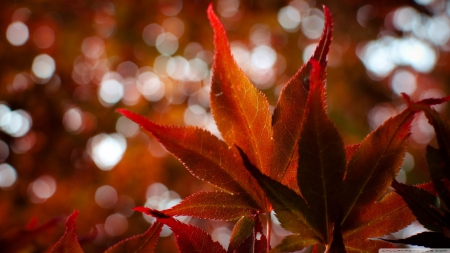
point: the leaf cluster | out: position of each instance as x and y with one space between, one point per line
293 162
430 202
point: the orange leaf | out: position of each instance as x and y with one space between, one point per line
205 156
240 110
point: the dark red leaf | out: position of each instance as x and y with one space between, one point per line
290 109
69 242
423 205
376 162
242 231
322 159
143 243
189 239
288 205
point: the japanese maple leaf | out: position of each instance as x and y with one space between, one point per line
243 118
143 243
322 191
430 206
343 201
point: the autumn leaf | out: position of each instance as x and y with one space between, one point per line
240 110
69 242
144 243
189 239
247 236
318 187
289 111
431 207
334 191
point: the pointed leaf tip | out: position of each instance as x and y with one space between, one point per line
69 241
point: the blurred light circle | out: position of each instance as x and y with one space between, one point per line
116 224
414 52
8 176
260 34
111 91
106 196
93 47
43 66
312 26
131 93
127 69
174 26
160 65
107 150
289 18
377 58
263 57
4 151
241 54
408 162
177 68
16 123
170 7
403 81
156 189
228 8
167 43
192 49
151 33
44 37
151 86
379 114
127 127
406 18
308 51
195 115
41 189
73 120
198 70
17 33
438 29
222 235
21 82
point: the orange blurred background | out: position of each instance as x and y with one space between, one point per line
66 65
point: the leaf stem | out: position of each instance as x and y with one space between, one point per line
269 229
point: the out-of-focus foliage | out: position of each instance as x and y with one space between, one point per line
66 65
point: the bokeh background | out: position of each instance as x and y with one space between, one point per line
66 65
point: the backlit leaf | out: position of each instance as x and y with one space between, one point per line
387 216
143 243
241 231
288 205
189 239
204 155
240 110
293 243
69 242
423 204
213 205
376 162
322 160
290 109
